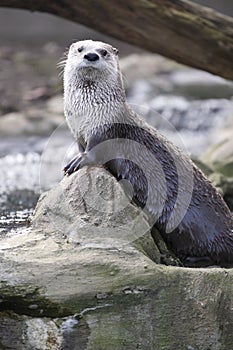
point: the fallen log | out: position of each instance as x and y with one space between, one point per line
188 33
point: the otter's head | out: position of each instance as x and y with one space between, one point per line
92 61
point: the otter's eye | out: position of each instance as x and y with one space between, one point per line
80 49
104 52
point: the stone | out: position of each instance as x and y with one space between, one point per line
19 332
199 84
13 124
77 275
220 157
34 121
133 69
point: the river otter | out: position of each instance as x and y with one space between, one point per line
180 202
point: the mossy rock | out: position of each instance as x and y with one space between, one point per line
73 261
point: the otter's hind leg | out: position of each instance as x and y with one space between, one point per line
167 257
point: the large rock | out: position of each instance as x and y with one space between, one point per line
219 158
79 259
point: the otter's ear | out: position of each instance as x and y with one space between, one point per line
115 51
72 46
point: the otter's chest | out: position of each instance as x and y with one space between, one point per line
88 111
83 122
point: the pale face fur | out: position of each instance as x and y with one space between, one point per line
93 91
80 69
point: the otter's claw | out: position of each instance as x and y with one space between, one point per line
73 165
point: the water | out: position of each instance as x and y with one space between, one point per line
19 189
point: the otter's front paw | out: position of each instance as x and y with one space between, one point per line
73 165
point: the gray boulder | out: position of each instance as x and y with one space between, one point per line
83 276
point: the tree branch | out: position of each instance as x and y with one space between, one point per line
178 29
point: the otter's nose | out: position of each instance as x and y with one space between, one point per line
91 57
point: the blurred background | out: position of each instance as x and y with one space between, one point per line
192 108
